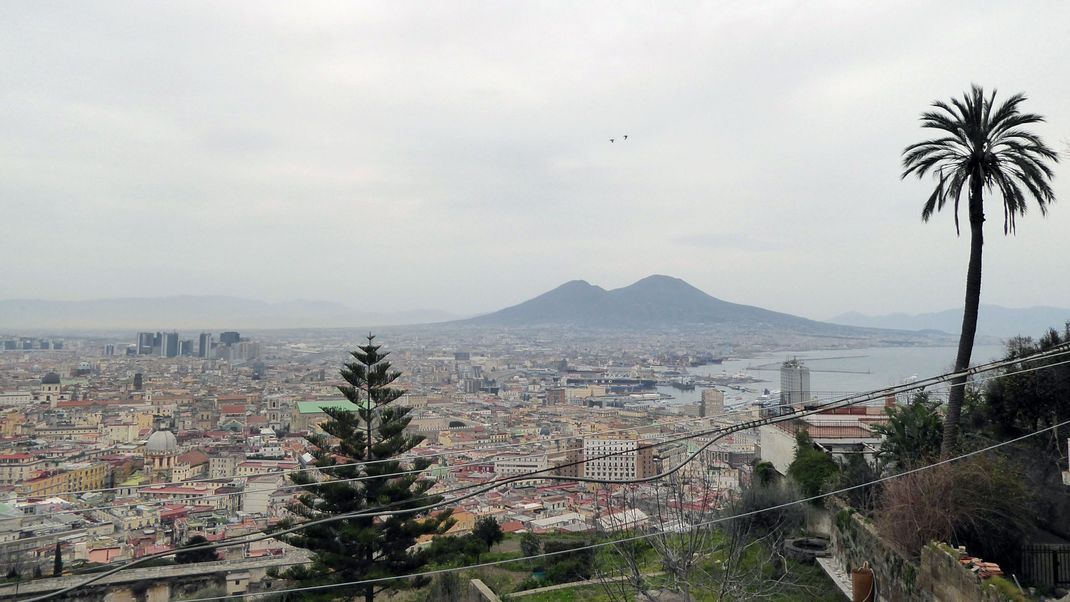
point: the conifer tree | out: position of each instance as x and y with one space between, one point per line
369 439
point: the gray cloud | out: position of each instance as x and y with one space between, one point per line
264 150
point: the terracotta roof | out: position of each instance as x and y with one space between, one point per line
173 513
74 404
193 457
512 526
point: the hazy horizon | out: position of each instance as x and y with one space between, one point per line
277 152
186 312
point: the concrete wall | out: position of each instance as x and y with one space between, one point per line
479 592
181 579
777 447
937 576
943 577
855 541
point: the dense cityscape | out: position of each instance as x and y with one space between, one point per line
117 450
534 302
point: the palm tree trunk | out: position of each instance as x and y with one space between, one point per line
969 320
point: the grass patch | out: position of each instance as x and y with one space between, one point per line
522 565
1007 589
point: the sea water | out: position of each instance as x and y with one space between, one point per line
840 371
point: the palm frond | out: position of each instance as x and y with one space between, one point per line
936 197
985 146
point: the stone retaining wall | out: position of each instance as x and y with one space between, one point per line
937 577
479 592
944 578
855 541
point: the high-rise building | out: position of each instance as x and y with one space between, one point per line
185 348
712 403
168 344
247 350
229 338
139 381
472 385
204 345
794 382
145 343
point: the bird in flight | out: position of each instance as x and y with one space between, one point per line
611 140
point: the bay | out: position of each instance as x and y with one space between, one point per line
838 372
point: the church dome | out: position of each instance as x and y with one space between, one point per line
50 379
162 442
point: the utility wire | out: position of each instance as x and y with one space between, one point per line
459 451
453 452
518 477
408 458
326 469
498 482
649 535
380 511
721 432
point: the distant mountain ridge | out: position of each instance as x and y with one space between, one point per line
992 320
186 312
654 301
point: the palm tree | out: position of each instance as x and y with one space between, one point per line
982 148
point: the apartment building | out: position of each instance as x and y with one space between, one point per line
627 461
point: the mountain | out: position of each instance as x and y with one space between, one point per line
654 301
992 320
196 312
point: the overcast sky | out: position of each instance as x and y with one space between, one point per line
456 155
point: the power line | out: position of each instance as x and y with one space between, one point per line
650 535
454 452
409 458
792 415
907 386
326 469
379 511
350 464
150 486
